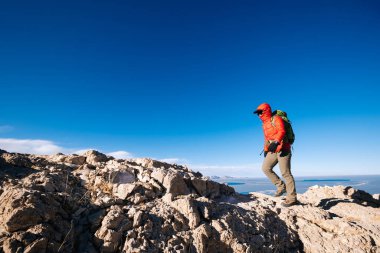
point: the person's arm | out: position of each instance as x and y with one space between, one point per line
279 125
266 141
276 145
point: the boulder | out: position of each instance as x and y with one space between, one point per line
150 163
94 157
175 184
75 159
113 225
17 160
122 183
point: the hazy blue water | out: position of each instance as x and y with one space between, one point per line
370 184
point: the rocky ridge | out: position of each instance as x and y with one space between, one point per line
95 203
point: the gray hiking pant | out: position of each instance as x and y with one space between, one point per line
283 159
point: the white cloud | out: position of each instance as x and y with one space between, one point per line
40 147
5 128
46 147
120 154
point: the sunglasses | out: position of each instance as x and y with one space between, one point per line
258 112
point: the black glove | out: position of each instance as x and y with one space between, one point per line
273 146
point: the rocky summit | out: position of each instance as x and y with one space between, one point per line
96 203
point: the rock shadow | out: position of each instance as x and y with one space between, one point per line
17 166
8 171
328 203
365 199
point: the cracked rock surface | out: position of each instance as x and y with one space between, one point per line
330 219
95 203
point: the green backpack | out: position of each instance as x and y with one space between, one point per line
289 133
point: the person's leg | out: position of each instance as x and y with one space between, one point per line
270 161
284 160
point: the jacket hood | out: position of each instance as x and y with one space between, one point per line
267 111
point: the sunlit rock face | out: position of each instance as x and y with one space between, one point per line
95 203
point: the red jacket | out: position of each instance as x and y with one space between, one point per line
273 130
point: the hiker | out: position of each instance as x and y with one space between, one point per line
277 149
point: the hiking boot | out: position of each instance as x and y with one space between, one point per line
288 203
280 192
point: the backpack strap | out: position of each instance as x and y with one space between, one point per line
272 120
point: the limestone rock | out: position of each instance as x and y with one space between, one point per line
122 183
57 158
95 203
75 159
113 225
150 163
175 184
18 160
94 157
331 219
187 207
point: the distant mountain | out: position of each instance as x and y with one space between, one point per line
221 177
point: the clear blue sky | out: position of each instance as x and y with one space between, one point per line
180 79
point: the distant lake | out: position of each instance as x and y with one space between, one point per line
370 184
